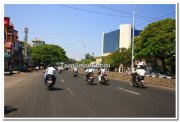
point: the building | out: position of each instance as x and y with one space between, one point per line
116 39
37 42
12 47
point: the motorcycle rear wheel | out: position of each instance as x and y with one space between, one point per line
131 82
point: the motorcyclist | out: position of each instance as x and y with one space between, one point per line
60 69
101 72
88 72
37 69
50 71
75 69
140 73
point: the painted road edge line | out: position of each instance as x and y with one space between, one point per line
62 81
70 91
129 91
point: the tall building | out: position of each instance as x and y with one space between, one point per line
120 38
37 42
12 48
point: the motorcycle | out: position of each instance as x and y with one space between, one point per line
90 79
137 82
50 82
75 73
104 79
60 71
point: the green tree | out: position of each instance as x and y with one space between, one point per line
121 56
48 54
157 41
88 56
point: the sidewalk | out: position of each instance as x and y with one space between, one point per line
14 72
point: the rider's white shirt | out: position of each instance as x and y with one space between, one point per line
89 70
50 70
103 71
75 69
141 72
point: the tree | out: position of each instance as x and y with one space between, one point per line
88 56
48 54
121 56
157 41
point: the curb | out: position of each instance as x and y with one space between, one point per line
166 77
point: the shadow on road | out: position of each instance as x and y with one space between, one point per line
9 109
55 89
145 87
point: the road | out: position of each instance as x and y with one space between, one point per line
26 96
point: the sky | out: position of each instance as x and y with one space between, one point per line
73 26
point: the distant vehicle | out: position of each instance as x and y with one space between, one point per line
75 73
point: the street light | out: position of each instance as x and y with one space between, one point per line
93 55
132 65
84 45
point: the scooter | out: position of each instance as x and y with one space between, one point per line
90 79
75 73
50 82
137 82
104 79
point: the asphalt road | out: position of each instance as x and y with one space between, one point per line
26 96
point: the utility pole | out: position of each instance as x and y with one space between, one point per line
26 30
132 65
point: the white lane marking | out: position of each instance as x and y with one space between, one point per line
70 91
62 81
129 91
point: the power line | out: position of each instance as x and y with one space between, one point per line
90 11
113 9
117 10
156 19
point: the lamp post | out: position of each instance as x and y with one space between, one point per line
84 45
93 55
132 64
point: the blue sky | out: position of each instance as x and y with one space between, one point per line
64 24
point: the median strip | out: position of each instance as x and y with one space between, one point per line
129 91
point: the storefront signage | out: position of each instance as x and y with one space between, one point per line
8 45
6 21
6 54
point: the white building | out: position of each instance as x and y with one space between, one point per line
37 42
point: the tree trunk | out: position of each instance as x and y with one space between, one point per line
164 65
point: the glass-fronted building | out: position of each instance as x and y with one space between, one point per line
111 41
116 39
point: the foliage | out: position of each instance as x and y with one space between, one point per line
48 54
157 41
121 56
88 56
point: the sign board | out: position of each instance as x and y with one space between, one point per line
6 21
6 54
